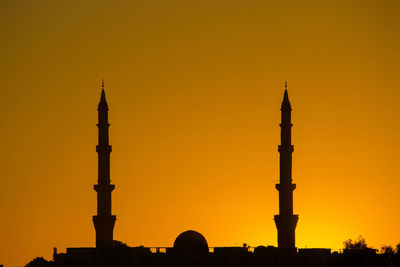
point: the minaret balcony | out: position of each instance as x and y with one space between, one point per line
103 148
291 187
103 124
286 124
104 187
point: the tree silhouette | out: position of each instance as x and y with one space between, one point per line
398 249
387 250
39 262
357 244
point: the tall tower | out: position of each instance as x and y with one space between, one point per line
286 222
103 221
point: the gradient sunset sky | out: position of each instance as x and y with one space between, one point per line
194 89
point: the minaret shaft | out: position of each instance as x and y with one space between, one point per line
286 222
103 221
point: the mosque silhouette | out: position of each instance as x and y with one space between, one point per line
104 220
190 247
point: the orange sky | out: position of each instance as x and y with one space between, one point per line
194 90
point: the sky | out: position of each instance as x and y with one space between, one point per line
194 90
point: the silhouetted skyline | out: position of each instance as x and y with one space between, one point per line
196 88
191 248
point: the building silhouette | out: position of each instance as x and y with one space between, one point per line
103 221
286 222
190 247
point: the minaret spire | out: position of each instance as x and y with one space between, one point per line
286 222
103 221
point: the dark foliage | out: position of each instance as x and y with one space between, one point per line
357 244
39 262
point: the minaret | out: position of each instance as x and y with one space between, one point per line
103 221
286 222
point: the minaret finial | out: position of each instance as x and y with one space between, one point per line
286 102
103 101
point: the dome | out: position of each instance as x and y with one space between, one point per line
191 240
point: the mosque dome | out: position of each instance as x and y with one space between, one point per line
190 240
